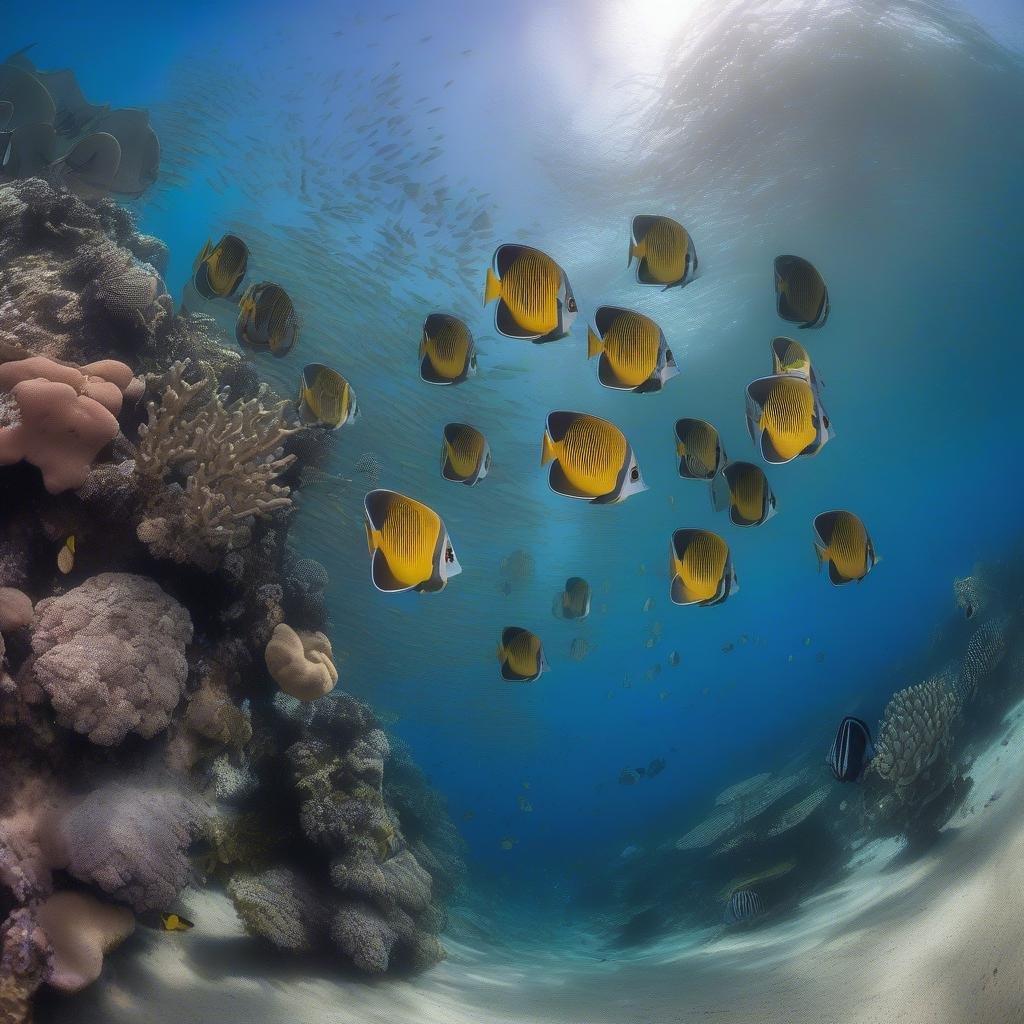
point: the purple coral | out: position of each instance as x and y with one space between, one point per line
111 656
131 842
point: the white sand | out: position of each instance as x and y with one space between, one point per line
936 941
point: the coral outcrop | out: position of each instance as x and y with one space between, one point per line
985 650
280 906
111 656
300 663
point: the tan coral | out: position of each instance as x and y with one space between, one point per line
228 456
301 663
81 930
58 417
15 609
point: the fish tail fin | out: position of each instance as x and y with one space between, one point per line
547 450
636 251
821 554
594 344
203 253
372 537
423 345
492 287
499 652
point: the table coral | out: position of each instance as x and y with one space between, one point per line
111 656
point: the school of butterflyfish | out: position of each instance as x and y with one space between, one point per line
586 457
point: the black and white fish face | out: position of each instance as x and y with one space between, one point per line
632 482
449 566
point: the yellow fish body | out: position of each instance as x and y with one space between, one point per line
842 541
175 923
574 601
663 250
535 300
700 449
267 321
634 353
591 459
521 655
447 354
218 269
700 568
465 454
785 418
801 296
326 399
408 543
743 489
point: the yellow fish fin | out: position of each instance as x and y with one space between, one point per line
636 251
548 451
821 554
594 344
781 284
680 449
373 537
70 543
423 345
203 254
492 287
500 652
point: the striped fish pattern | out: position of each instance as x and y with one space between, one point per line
267 321
785 418
842 542
801 296
850 750
574 601
408 543
634 353
744 905
700 450
700 568
219 269
535 302
465 454
447 353
591 458
743 489
790 357
664 251
326 399
521 655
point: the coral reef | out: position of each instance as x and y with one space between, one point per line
227 456
111 656
145 742
300 663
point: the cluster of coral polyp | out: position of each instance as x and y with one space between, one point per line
169 717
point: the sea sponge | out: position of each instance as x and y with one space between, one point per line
300 663
81 931
916 734
31 803
58 417
279 906
398 881
110 654
25 956
372 940
130 841
15 609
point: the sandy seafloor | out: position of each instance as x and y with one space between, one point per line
932 939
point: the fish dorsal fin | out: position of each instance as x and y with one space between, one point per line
505 255
825 525
605 317
376 505
558 424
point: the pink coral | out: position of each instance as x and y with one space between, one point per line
58 417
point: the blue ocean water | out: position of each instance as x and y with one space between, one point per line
879 140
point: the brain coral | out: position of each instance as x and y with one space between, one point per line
111 656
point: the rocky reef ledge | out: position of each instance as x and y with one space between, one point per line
169 715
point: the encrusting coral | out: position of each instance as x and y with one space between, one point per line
110 654
221 462
300 663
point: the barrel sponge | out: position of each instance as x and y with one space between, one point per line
58 417
300 663
81 931
131 841
110 654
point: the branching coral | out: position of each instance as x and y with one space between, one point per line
915 735
219 463
111 656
